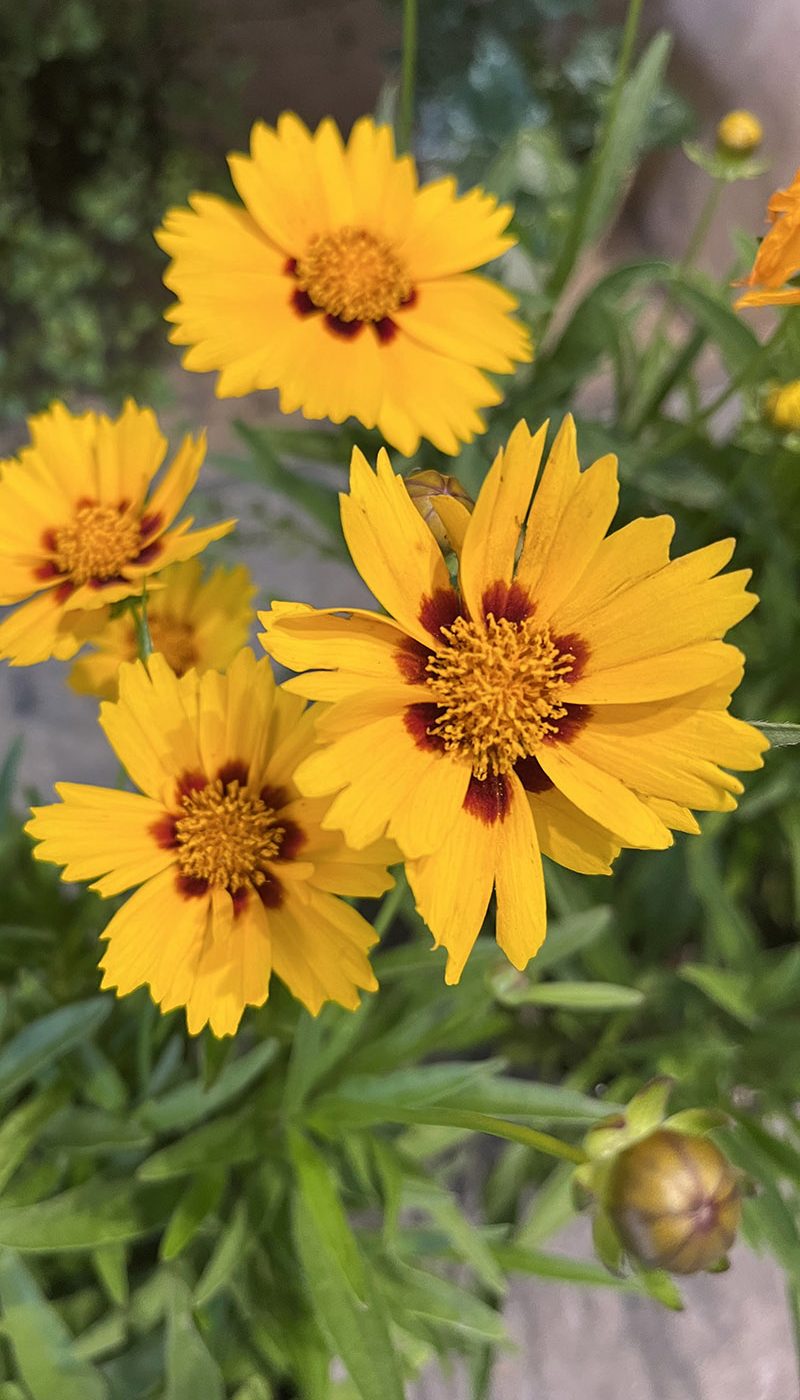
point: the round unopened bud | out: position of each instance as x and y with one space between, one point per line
739 133
782 407
424 487
675 1201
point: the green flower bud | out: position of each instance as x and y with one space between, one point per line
424 488
675 1202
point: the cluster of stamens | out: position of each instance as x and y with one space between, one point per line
353 275
225 835
97 544
500 692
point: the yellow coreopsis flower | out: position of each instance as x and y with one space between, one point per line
345 286
778 256
82 525
194 622
236 878
567 700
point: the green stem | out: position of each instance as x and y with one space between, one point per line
577 232
658 390
485 1123
144 642
390 905
407 75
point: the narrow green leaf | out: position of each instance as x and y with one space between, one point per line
22 1128
519 1259
730 990
306 1060
317 1184
607 173
357 1102
195 1205
658 1284
85 1217
779 735
357 1332
701 297
254 1389
577 996
47 1039
782 1153
437 1300
465 1237
42 1345
108 1334
228 1254
318 500
192 1371
93 1130
618 156
550 1210
224 1142
569 936
111 1264
189 1104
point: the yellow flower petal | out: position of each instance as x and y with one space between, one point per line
342 285
233 867
492 534
521 906
453 885
603 798
391 546
570 838
76 518
567 696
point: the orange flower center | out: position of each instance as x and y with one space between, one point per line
98 543
226 835
175 640
354 275
501 692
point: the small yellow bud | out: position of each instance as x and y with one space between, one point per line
675 1202
782 407
739 133
424 487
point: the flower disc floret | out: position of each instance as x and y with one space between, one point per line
354 275
501 691
226 835
98 543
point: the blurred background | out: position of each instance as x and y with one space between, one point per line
109 113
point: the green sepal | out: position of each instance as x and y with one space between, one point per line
724 165
697 1121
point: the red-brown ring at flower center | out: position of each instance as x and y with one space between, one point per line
97 544
354 278
499 692
227 836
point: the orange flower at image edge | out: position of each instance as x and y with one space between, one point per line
346 286
569 703
778 256
236 877
81 528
